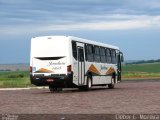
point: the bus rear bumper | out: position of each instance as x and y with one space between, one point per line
56 80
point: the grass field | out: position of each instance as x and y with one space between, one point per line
141 71
14 79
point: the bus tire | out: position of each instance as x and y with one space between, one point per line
112 85
89 83
53 89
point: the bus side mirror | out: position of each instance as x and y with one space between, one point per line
121 56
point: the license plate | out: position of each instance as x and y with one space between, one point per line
50 80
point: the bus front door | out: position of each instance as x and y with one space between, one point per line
80 65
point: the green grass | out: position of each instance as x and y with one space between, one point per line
14 79
141 71
151 68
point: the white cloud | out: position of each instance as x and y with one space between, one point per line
153 4
128 22
111 22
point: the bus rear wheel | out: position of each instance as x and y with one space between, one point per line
89 83
54 89
112 85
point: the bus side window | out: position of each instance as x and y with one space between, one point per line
97 54
89 53
113 54
102 53
108 55
74 49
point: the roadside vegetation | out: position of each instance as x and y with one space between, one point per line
141 71
144 62
14 79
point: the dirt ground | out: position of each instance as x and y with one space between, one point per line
129 97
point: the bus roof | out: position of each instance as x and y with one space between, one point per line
84 41
93 42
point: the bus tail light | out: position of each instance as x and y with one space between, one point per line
69 68
30 69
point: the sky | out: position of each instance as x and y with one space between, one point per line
132 25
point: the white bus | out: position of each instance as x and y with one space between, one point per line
69 62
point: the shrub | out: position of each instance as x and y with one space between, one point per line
18 75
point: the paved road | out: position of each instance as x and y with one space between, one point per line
128 97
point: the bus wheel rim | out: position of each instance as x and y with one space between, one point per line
89 83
